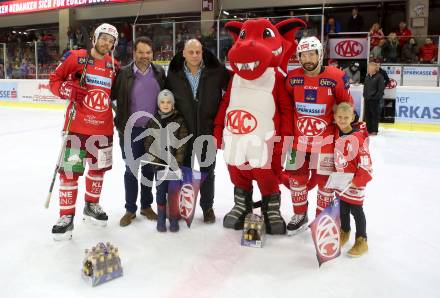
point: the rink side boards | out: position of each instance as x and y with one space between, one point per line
417 108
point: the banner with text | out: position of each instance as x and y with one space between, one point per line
348 48
418 105
28 6
420 76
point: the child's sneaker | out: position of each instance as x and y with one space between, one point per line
359 248
344 237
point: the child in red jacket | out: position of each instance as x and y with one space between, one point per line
352 156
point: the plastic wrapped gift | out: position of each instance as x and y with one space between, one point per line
101 264
254 231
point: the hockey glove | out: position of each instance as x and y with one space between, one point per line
72 91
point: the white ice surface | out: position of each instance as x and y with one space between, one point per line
402 209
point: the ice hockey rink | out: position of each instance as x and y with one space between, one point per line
402 210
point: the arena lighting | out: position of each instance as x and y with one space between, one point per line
14 31
225 12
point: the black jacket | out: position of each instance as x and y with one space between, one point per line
374 87
386 78
199 112
160 142
121 92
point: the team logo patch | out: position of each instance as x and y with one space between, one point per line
325 82
240 122
310 95
97 100
311 109
84 60
99 81
311 126
186 200
346 82
66 55
296 81
108 65
340 160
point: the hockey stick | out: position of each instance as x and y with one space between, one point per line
72 112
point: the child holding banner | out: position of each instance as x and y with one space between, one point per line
352 156
166 140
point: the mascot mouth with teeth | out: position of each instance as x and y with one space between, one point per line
255 114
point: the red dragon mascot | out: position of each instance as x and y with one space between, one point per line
255 114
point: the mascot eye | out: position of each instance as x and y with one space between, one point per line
268 33
242 34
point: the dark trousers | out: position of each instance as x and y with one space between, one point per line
372 114
207 187
131 180
162 192
359 218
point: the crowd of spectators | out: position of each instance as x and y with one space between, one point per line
24 49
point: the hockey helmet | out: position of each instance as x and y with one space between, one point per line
108 29
309 44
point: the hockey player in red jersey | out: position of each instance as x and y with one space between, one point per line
85 79
315 89
352 156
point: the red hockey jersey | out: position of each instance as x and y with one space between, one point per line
94 115
352 156
314 99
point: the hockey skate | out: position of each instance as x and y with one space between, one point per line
94 214
243 205
62 230
270 209
297 224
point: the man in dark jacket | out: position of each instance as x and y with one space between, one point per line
197 78
374 87
356 21
136 88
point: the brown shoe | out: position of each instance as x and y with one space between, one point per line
126 219
359 248
344 237
149 213
209 216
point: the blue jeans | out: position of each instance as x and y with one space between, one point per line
131 181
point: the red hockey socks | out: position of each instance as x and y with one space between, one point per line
325 197
94 180
299 198
68 195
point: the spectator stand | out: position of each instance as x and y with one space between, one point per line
3 61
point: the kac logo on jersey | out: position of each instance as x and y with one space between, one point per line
311 126
240 122
349 48
186 200
340 160
296 81
97 100
310 95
